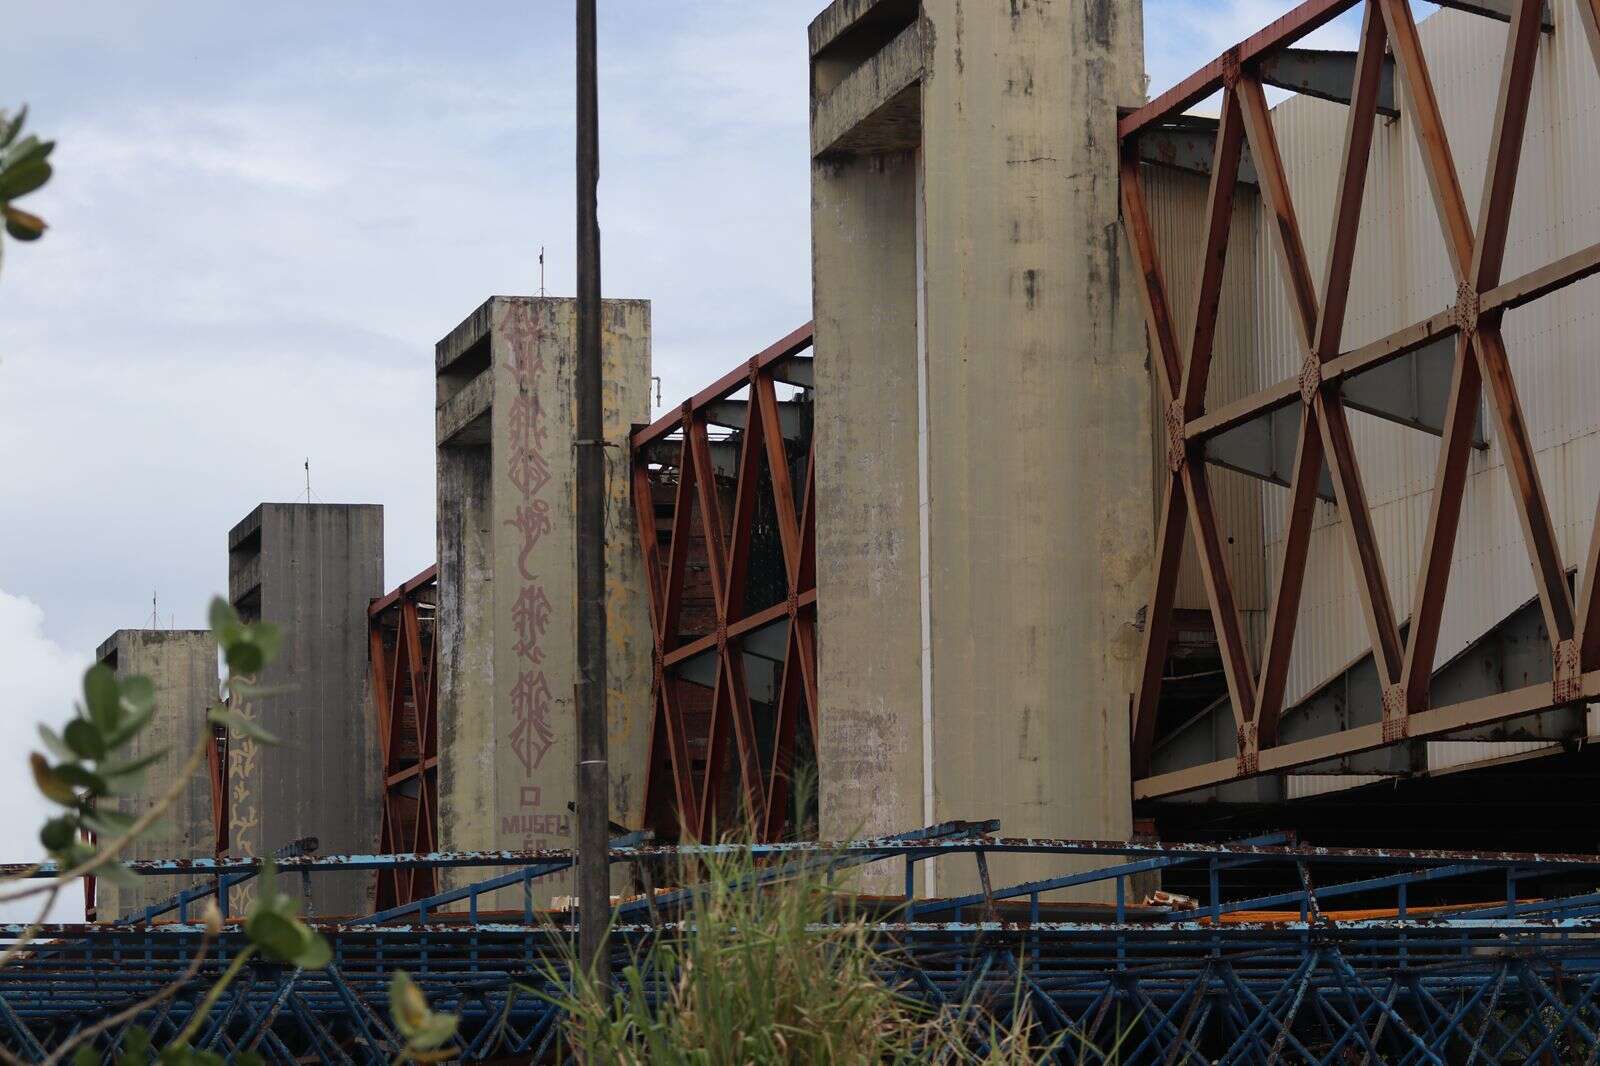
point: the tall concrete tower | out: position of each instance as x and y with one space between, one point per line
310 569
506 421
182 665
983 467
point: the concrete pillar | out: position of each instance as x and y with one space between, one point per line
310 569
507 574
982 419
182 665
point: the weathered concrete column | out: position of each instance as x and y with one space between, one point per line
311 570
982 418
182 665
507 574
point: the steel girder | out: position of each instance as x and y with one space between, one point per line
1403 655
1509 973
735 664
404 661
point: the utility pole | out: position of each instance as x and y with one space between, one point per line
594 785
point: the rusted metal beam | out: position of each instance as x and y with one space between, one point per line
1283 616
1366 84
1304 19
1328 75
1158 622
1431 137
1533 510
1213 257
1444 519
1436 722
731 382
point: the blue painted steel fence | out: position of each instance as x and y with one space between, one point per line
1259 967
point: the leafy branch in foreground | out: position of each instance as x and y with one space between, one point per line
24 167
90 766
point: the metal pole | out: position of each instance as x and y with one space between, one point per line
594 881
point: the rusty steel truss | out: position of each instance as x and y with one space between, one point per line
403 661
726 602
1404 656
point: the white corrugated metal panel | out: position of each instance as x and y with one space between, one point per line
1177 205
1451 754
1304 786
1402 275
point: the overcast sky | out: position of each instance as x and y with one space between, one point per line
263 217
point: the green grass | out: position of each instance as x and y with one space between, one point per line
755 976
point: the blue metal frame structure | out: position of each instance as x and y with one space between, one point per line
1255 969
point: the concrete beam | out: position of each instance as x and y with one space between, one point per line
1326 75
463 418
877 107
836 27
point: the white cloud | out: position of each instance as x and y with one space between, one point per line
41 684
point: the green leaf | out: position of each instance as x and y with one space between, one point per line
112 770
439 1028
407 1005
59 833
316 954
238 723
224 621
27 151
135 1047
130 726
23 225
118 874
20 179
53 741
76 775
108 822
14 127
84 738
138 694
245 657
248 1058
102 696
282 939
49 782
86 1055
267 637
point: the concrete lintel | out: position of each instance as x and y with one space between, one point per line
843 19
464 417
1189 144
878 106
245 528
472 331
1499 10
735 414
1327 75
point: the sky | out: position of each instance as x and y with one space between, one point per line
264 216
